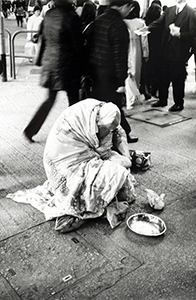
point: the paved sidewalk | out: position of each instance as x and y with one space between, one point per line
96 262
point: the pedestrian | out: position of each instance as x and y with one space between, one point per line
138 47
61 60
88 14
179 30
154 41
33 25
20 12
108 42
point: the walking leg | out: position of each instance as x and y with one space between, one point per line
40 116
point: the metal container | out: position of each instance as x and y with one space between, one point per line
146 224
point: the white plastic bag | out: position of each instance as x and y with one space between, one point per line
155 200
132 92
30 49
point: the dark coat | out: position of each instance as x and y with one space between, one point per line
63 45
108 41
175 48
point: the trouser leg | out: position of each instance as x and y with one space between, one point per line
165 80
178 82
17 20
73 91
104 89
40 116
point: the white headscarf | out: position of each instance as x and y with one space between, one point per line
108 114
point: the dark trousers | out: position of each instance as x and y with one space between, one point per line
43 111
172 72
104 89
19 20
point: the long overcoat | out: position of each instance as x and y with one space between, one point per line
61 31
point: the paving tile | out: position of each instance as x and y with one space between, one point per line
6 291
42 259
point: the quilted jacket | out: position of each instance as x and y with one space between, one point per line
108 41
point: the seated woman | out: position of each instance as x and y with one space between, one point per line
86 177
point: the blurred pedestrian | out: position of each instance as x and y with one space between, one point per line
88 14
20 12
108 41
138 46
61 60
154 40
33 24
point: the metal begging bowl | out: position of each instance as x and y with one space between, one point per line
146 224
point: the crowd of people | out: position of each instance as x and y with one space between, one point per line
87 159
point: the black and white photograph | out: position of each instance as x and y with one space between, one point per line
97 149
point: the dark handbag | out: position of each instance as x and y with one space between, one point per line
20 12
40 51
140 160
35 38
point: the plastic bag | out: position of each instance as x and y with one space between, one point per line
30 49
155 200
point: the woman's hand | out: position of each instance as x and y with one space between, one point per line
103 152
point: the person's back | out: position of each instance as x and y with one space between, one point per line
108 41
63 47
108 38
154 40
153 13
138 47
34 22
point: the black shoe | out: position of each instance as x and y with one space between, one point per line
158 104
29 138
132 139
176 108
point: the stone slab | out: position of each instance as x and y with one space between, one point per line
44 263
6 291
158 117
168 270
